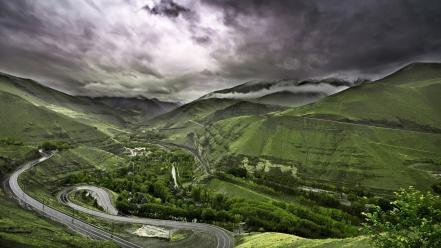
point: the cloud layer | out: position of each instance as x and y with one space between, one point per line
180 50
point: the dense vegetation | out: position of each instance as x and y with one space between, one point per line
412 220
146 188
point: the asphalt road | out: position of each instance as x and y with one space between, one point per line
101 196
58 216
224 238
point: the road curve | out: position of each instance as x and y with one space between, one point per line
224 239
59 216
101 196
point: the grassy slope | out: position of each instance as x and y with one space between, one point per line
26 122
176 124
290 99
236 191
82 109
195 111
12 156
32 125
281 240
411 93
330 151
239 109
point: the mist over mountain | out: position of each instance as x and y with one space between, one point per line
290 92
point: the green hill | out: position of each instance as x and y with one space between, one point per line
409 98
241 108
193 111
26 122
108 114
290 99
82 109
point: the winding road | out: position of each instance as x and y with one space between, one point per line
101 196
224 238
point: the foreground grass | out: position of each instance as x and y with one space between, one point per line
281 240
236 191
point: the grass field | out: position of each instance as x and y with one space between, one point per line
236 191
281 240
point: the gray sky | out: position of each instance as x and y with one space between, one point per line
182 49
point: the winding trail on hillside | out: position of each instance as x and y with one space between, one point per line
223 237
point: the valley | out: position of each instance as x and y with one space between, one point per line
218 171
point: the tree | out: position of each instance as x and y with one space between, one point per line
412 221
196 194
208 214
219 201
437 188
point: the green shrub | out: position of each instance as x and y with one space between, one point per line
412 221
55 145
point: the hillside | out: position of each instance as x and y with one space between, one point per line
241 108
97 112
193 111
290 99
280 240
29 123
26 127
408 98
141 108
83 110
382 135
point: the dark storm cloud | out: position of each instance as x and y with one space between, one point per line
167 8
180 49
43 43
303 38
